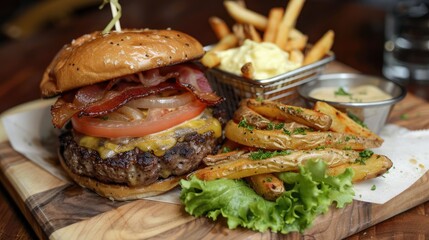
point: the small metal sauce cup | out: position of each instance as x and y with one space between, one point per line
373 114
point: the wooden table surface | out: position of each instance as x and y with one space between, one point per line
359 42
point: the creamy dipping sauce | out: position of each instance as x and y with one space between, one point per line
363 93
268 59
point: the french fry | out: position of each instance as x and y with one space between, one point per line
247 70
293 9
241 3
251 117
296 56
320 48
238 30
246 167
251 33
244 15
283 112
295 33
274 18
227 42
219 158
297 40
220 28
343 124
280 140
255 119
296 43
210 59
267 185
374 166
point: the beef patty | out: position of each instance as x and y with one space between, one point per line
136 167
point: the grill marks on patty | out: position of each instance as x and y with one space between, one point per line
136 167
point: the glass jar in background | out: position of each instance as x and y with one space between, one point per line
406 50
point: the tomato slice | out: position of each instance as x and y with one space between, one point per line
158 119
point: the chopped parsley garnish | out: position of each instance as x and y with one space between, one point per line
356 119
243 123
279 126
262 154
299 110
320 147
276 126
226 149
404 116
104 118
287 132
342 92
373 187
300 131
363 156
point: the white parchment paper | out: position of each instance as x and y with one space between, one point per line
31 133
409 152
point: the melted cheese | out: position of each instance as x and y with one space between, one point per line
157 143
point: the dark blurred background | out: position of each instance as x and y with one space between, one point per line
359 25
32 32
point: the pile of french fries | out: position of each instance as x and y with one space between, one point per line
278 28
290 136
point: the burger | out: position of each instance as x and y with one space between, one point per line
136 113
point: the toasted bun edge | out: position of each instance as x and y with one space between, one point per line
97 57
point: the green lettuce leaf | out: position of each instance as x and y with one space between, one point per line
309 193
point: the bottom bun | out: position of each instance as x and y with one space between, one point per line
121 192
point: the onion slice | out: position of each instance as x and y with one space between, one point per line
162 102
131 113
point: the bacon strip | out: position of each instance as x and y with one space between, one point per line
195 81
99 99
112 103
63 110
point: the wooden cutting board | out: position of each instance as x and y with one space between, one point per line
60 210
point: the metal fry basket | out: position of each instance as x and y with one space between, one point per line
282 88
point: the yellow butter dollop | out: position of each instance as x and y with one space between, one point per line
268 59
